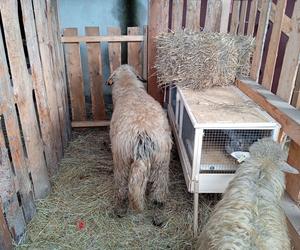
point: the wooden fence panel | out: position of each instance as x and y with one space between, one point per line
39 86
193 12
134 57
75 79
213 15
177 15
114 50
260 39
40 12
235 17
291 59
23 94
274 45
96 77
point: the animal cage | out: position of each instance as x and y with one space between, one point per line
213 130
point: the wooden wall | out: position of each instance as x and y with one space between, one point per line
34 117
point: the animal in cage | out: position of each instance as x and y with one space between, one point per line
141 142
250 216
241 140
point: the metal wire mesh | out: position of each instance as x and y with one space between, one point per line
218 145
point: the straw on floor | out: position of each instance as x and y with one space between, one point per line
78 213
200 60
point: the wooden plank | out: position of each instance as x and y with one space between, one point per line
294 236
292 180
114 50
285 114
252 17
286 22
5 238
260 39
118 38
274 45
134 51
235 17
22 84
226 5
193 11
88 124
40 12
145 53
291 59
213 15
96 77
242 20
177 14
158 22
296 95
46 125
13 135
75 79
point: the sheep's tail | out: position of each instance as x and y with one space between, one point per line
139 171
137 184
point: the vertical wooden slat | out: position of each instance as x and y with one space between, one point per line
177 13
225 16
235 17
273 46
96 77
23 95
75 79
213 15
134 53
252 17
193 15
5 238
242 21
291 58
39 85
40 12
260 39
145 52
158 22
114 50
292 180
13 135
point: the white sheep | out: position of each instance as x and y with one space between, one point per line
141 142
250 216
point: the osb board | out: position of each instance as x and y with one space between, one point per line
222 105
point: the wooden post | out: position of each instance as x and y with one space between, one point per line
158 22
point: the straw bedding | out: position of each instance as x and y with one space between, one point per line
78 213
201 60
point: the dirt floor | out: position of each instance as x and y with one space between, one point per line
79 212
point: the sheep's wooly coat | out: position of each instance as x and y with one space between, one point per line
141 141
249 216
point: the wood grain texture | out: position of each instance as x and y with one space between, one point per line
291 58
274 45
75 78
22 85
193 13
158 22
96 76
252 17
177 14
260 39
213 15
46 125
282 112
226 5
242 20
114 50
134 51
235 17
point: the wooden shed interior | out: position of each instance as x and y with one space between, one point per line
42 91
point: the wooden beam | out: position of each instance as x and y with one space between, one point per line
115 38
89 124
287 115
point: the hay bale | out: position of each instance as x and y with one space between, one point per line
200 60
